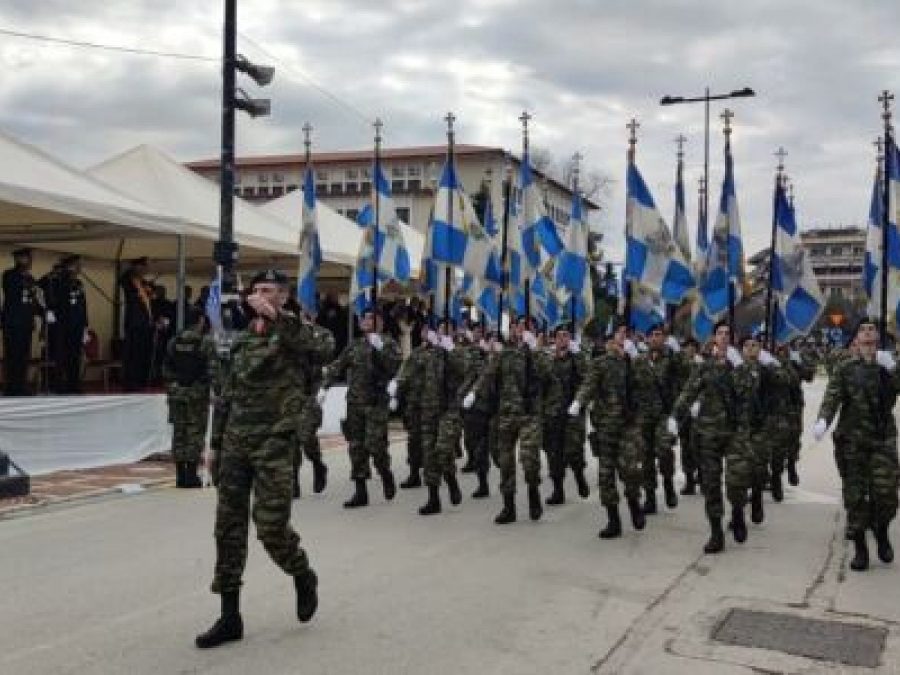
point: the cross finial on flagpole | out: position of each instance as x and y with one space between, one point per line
879 147
307 138
379 125
680 140
701 185
525 118
727 115
632 127
781 153
576 169
791 193
450 118
885 100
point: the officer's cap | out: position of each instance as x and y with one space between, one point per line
70 259
270 277
22 252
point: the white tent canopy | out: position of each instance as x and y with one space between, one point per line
339 237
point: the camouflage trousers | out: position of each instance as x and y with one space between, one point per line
308 423
619 452
690 462
748 460
412 421
564 444
717 446
795 424
366 431
526 431
841 440
259 462
659 448
778 430
189 418
477 436
870 482
439 452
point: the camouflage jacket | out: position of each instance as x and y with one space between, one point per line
411 377
368 370
865 394
712 384
668 373
306 371
190 365
513 381
444 376
567 372
752 382
606 388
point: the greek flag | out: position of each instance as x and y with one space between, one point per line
874 247
391 253
572 267
651 256
488 219
458 239
485 297
679 224
309 249
362 280
214 302
539 240
725 254
647 308
800 300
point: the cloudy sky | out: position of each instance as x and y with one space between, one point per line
582 67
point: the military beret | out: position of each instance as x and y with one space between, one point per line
22 252
143 260
69 259
269 277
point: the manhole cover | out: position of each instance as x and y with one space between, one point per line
847 643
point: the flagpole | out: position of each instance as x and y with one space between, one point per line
448 280
771 308
524 118
504 240
307 145
576 174
885 100
377 203
680 140
632 127
726 117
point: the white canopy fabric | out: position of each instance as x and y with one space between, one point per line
44 200
339 237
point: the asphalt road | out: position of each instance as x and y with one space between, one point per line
121 586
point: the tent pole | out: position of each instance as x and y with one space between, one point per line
179 285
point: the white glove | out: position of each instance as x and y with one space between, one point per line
447 343
574 409
733 356
885 360
376 341
393 405
483 345
672 426
469 336
320 396
766 359
819 429
50 316
392 388
86 338
672 343
574 347
795 357
432 338
643 348
498 347
631 349
469 400
695 409
698 359
529 339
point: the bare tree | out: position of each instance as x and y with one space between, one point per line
593 183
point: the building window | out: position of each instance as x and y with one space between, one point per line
403 214
292 187
858 250
365 187
277 177
249 192
414 185
321 190
263 178
352 214
352 174
336 188
352 188
414 171
277 191
837 250
322 176
237 178
263 191
366 173
237 190
397 186
836 292
817 251
398 172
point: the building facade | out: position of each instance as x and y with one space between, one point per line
344 180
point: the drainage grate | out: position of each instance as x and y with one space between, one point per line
847 643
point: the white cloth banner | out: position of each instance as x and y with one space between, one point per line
45 434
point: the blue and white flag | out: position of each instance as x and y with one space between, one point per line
391 253
310 252
647 308
679 224
874 247
800 301
652 257
457 238
362 280
573 269
724 267
213 307
538 239
488 219
485 298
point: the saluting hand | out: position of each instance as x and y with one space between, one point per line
262 306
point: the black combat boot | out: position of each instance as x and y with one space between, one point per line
534 503
227 628
757 515
453 488
584 490
738 524
307 597
638 519
559 495
690 484
793 478
671 495
508 514
885 551
191 476
469 466
860 560
433 505
360 497
295 485
777 489
613 527
716 537
320 476
414 480
387 482
179 474
483 490
650 503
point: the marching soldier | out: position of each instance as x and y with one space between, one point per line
864 389
804 366
408 385
690 464
189 362
478 429
256 455
20 306
564 434
371 361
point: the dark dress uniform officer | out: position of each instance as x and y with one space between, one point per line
137 349
71 324
20 306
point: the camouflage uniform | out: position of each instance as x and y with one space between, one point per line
564 435
607 389
366 426
443 373
778 422
805 371
865 394
655 385
690 462
841 434
409 386
257 449
190 356
476 420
